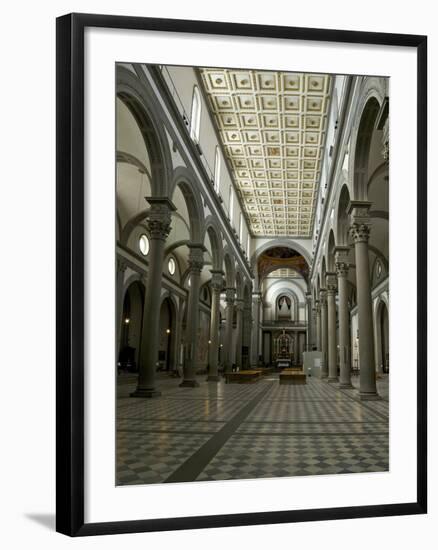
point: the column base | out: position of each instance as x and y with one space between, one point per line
189 384
332 380
213 378
369 397
145 392
346 386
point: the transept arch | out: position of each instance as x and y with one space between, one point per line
280 242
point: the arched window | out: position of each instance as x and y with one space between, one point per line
217 170
195 121
231 204
284 308
241 228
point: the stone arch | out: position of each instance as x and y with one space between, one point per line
279 242
286 291
247 293
341 217
131 322
127 158
171 359
381 331
372 97
330 252
185 180
288 243
214 234
172 247
229 269
239 285
323 273
144 108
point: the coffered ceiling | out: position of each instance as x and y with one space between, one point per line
272 126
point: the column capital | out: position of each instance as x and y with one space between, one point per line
217 279
331 281
159 217
239 304
230 295
323 297
122 264
196 257
360 232
342 269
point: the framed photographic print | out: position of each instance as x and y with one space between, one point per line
241 274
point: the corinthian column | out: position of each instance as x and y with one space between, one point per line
158 223
196 263
309 321
255 329
217 284
318 325
239 332
121 268
229 299
324 332
360 231
342 266
246 339
331 331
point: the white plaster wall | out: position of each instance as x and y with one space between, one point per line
271 288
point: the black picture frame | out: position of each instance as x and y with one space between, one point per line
70 273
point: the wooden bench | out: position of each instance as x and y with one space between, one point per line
294 378
243 376
264 371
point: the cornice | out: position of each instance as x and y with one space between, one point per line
334 167
184 136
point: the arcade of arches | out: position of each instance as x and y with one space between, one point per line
252 279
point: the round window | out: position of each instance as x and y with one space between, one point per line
171 266
143 244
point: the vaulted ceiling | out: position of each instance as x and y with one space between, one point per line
272 126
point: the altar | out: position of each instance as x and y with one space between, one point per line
283 350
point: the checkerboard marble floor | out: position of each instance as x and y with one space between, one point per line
233 431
